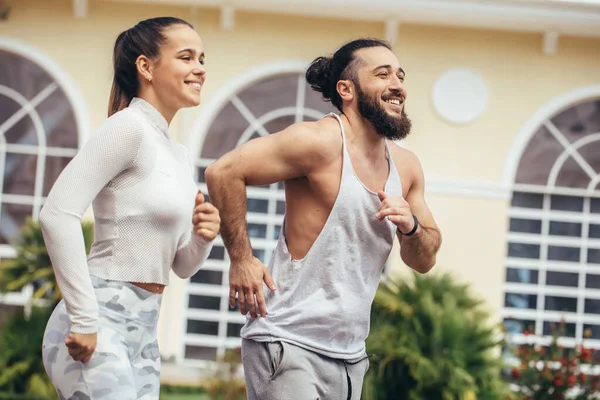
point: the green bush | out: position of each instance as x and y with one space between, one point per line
181 389
223 383
15 396
226 382
430 339
22 374
21 368
32 266
554 372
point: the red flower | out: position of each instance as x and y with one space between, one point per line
571 380
558 382
582 378
586 354
515 373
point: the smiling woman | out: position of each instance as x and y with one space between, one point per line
168 67
149 218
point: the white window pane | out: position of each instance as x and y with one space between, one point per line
556 278
521 275
566 203
12 218
521 250
527 200
202 327
520 300
560 303
565 229
204 302
200 353
525 225
208 277
563 253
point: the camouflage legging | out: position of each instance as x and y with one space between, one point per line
126 363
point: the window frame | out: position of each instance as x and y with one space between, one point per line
78 105
543 117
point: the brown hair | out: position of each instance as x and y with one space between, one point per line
144 38
324 73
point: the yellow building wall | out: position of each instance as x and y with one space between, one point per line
473 246
519 76
520 79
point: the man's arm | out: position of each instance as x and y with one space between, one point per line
419 250
285 155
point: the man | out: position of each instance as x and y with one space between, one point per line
349 191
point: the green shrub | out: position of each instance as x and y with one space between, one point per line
181 389
554 372
32 266
431 339
226 383
21 368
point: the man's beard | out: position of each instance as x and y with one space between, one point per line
386 125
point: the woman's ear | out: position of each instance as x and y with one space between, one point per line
144 67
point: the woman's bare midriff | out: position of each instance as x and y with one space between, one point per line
151 287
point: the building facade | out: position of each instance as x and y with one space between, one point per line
505 102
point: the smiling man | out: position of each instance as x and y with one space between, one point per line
349 191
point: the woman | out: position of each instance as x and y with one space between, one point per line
100 342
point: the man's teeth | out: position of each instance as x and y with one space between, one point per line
393 101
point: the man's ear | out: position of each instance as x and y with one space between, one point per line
346 89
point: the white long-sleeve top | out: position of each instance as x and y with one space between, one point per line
141 187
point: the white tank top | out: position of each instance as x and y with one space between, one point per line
323 301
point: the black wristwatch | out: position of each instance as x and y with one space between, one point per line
414 229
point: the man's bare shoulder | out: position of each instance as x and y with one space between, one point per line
322 138
403 156
408 164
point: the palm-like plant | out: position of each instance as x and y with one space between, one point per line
32 265
21 368
432 340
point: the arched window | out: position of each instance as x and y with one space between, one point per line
264 102
41 122
553 256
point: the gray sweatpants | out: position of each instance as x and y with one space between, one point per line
126 363
282 371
